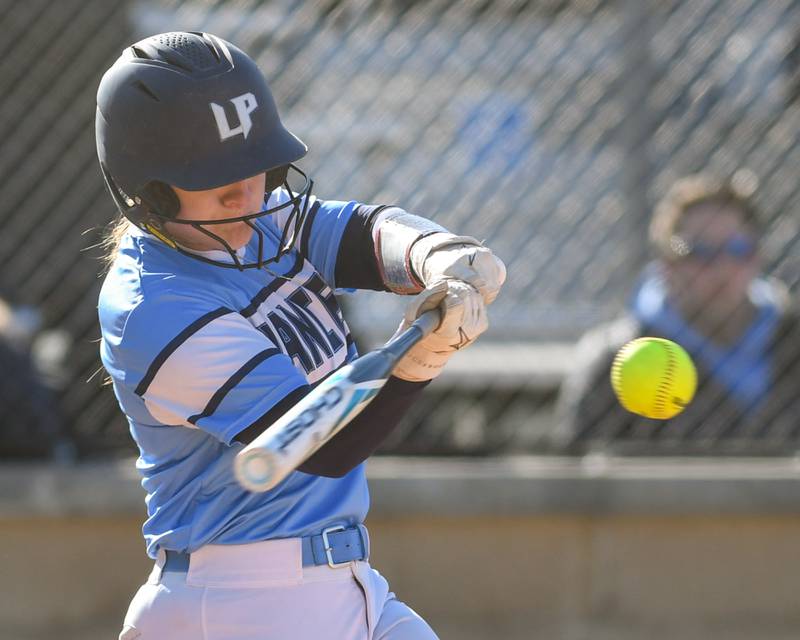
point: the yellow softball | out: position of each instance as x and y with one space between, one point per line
654 378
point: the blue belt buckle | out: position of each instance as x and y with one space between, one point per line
329 548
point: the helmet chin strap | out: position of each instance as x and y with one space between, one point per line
150 228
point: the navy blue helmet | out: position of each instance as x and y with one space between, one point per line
193 111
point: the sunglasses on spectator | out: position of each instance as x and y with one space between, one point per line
740 247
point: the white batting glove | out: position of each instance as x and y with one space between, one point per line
443 255
463 320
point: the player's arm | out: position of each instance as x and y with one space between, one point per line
463 319
387 248
359 440
384 248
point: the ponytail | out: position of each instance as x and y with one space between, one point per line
112 237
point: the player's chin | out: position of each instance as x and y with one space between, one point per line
239 236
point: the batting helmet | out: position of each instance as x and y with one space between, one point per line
191 110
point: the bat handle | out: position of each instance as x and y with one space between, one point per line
398 346
428 321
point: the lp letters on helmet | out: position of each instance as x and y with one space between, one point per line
245 104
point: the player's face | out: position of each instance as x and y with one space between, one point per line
230 201
722 260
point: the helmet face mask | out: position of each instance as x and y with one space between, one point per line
297 203
191 111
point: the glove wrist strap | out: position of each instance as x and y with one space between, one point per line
395 233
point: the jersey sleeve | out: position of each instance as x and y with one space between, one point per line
204 367
321 232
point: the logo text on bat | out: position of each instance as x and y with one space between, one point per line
306 419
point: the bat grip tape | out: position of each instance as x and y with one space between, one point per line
335 546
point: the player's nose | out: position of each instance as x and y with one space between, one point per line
236 195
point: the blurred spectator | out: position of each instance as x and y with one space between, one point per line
30 424
705 291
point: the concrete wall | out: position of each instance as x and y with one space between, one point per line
488 549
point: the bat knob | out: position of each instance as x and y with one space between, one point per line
254 471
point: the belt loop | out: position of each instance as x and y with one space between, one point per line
158 568
364 540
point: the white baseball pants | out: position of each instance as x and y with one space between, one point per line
261 591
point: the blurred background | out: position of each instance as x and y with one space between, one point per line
550 128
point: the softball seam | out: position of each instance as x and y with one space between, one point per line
663 391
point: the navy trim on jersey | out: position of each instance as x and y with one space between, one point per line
235 379
176 342
250 433
307 227
272 287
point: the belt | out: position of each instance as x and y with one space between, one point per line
335 546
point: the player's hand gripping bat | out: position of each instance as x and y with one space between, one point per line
320 415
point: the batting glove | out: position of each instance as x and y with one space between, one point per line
443 255
463 319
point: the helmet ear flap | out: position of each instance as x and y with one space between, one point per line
160 198
156 197
130 206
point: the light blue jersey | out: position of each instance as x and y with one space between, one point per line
198 352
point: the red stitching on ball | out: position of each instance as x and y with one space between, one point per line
662 392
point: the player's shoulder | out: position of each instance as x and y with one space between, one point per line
158 317
127 286
164 307
146 304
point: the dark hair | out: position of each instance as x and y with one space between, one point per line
690 192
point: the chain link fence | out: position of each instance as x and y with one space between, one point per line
548 128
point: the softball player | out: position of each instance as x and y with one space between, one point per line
218 314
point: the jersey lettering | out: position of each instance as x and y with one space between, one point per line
301 316
300 302
317 286
267 329
299 337
310 417
291 342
